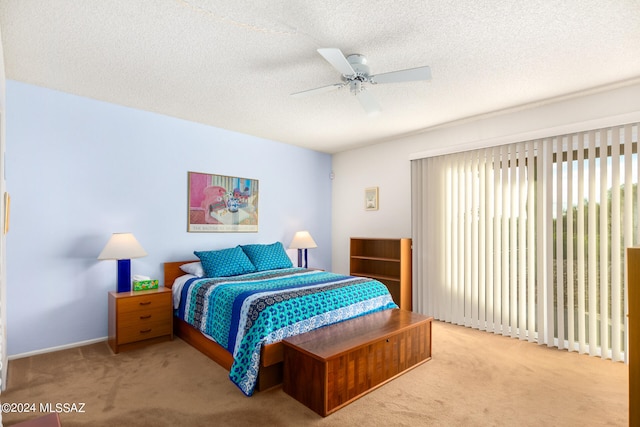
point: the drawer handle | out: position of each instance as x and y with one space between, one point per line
145 331
145 303
148 316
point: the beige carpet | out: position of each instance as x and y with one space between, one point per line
474 379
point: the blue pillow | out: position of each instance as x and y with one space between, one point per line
225 262
268 257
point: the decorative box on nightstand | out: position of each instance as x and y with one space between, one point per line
139 318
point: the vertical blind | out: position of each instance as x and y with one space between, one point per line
527 239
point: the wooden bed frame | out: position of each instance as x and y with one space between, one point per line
270 372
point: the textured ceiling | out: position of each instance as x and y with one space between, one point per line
233 64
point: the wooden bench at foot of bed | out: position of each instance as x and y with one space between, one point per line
330 367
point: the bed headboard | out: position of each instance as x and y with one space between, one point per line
172 271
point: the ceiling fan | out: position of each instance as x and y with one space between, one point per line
355 75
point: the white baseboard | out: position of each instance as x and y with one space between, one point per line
58 348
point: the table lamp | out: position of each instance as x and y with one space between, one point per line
302 240
123 247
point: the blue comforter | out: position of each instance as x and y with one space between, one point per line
241 313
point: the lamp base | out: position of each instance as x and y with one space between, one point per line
302 253
124 275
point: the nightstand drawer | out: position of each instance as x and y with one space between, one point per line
145 315
143 331
144 303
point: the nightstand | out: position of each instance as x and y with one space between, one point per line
138 318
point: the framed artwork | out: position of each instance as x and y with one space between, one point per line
371 199
219 203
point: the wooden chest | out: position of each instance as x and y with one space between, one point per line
330 367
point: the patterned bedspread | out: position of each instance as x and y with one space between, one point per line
242 313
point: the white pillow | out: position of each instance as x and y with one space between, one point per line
194 268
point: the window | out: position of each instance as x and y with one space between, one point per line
528 239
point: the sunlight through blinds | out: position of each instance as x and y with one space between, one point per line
527 240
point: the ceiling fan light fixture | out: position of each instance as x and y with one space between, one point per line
359 64
355 71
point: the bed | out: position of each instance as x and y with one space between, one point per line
262 353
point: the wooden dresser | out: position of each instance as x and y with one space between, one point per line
138 318
633 313
330 367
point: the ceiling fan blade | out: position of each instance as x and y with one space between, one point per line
335 57
410 75
322 89
368 102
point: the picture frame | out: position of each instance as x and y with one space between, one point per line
221 203
371 199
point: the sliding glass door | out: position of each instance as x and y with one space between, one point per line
528 239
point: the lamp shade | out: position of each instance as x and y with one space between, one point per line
302 240
122 246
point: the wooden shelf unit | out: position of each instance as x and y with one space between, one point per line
386 260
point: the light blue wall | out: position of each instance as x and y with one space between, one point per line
79 170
